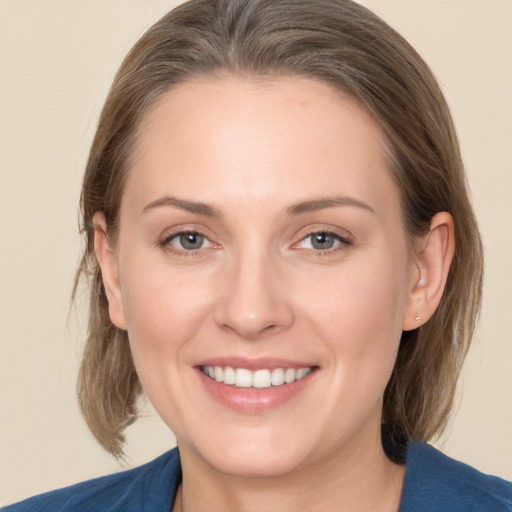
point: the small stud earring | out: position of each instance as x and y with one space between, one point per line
417 318
421 283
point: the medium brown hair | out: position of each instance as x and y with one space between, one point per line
342 44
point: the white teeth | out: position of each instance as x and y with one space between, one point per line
229 375
277 377
289 375
243 378
264 378
301 373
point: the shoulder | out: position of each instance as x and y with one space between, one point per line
437 483
147 488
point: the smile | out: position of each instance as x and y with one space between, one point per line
259 379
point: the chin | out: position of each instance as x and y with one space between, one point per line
262 464
247 456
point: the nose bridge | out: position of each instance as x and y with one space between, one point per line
254 301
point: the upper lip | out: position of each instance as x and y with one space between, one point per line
254 364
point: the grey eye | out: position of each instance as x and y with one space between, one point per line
190 241
322 241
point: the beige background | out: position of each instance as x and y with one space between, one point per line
57 59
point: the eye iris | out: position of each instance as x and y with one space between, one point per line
191 241
322 241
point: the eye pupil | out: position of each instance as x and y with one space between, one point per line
191 241
322 241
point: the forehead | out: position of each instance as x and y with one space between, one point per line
238 138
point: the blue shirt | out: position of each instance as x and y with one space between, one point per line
433 483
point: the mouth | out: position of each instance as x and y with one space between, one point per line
255 387
258 379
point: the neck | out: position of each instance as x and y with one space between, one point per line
354 481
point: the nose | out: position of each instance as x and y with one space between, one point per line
254 303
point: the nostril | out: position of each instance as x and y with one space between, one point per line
250 332
252 307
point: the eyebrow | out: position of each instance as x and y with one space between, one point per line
295 209
189 206
314 205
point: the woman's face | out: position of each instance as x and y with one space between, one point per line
261 240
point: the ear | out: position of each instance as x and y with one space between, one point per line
433 257
109 271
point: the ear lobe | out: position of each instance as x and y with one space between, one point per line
109 271
434 254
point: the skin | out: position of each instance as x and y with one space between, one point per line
250 150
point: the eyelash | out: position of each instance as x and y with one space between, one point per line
342 241
167 245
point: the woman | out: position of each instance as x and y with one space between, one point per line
278 236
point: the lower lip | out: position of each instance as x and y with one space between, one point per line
253 400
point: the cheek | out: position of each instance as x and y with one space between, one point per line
164 309
358 312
